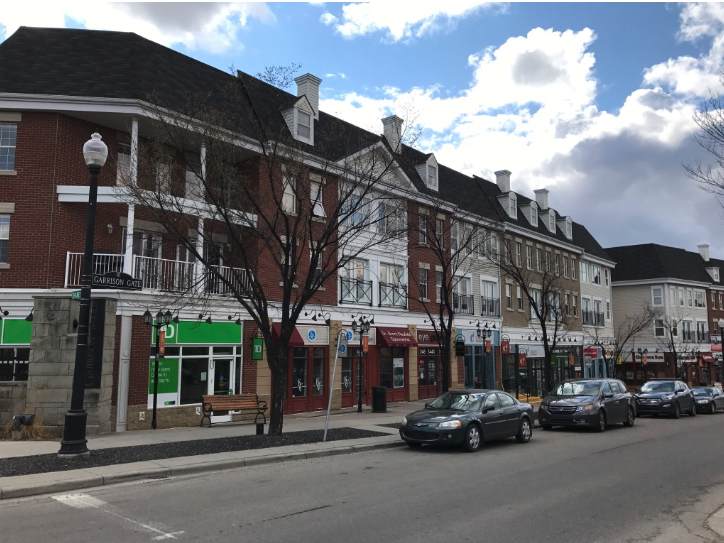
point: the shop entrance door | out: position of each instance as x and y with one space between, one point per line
221 381
308 380
428 372
351 378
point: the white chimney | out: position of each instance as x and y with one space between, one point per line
541 198
308 85
392 127
704 251
502 177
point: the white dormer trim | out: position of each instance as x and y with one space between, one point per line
551 221
714 272
566 226
531 213
295 118
512 205
429 172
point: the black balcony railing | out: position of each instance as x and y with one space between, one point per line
463 304
592 318
355 291
489 307
393 295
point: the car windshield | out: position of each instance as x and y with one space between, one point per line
578 388
658 386
458 401
703 391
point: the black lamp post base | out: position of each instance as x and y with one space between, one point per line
74 443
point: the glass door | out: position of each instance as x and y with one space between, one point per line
221 381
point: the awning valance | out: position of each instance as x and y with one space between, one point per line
395 337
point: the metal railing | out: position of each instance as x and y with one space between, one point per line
463 304
392 295
163 275
592 318
355 291
489 307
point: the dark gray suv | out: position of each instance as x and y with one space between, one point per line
665 397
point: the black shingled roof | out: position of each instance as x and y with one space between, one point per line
652 261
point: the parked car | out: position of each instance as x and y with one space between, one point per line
708 399
595 403
468 418
665 397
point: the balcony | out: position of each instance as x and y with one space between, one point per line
489 307
355 291
393 295
163 275
463 304
592 318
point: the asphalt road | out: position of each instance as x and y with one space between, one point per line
655 482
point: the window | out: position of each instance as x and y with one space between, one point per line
505 400
558 264
491 402
423 283
575 305
716 274
657 295
533 214
721 301
4 237
539 259
567 308
163 174
493 245
548 261
506 244
672 296
8 139
595 274
699 299
438 286
431 176
304 123
573 268
552 222
123 166
315 197
454 237
529 257
440 232
289 200
317 272
701 332
512 206
520 298
605 276
681 297
689 297
658 328
688 332
194 183
565 266
508 296
569 229
518 253
422 228
461 299
713 300
584 272
608 310
468 239
535 302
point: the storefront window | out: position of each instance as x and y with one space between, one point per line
299 372
194 379
386 371
392 367
346 375
318 369
432 371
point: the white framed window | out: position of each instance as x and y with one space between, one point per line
518 253
658 328
8 142
163 174
315 197
493 245
557 264
123 164
716 274
701 332
194 183
595 274
391 274
689 297
565 266
682 302
512 206
713 300
423 283
468 240
573 268
508 296
575 305
440 232
548 261
569 229
539 259
317 271
454 236
657 296
289 199
608 310
552 222
4 238
432 176
687 331
699 298
537 298
721 301
567 307
533 214
672 296
529 257
422 229
605 276
519 297
438 286
584 272
304 125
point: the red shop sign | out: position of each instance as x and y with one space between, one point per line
522 361
505 347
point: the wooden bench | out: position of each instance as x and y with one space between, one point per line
233 402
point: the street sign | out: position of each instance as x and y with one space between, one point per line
116 281
365 344
75 295
342 347
257 348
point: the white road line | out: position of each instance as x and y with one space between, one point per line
85 501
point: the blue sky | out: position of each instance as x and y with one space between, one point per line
593 101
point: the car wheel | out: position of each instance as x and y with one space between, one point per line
712 408
414 445
630 418
601 426
473 438
524 432
677 411
692 413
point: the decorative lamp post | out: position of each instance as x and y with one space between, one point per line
363 326
74 442
721 343
162 320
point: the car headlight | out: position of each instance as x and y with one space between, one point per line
667 398
586 407
702 401
451 424
404 421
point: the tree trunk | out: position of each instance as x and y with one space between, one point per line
445 362
279 380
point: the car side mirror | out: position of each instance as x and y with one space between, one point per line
488 409
608 395
427 404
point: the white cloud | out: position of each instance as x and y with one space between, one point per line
212 27
531 108
401 20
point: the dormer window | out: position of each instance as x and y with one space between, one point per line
716 274
300 121
432 176
304 123
569 228
552 221
533 214
513 205
429 172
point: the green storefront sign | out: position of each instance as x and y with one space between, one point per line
195 332
257 346
167 376
15 332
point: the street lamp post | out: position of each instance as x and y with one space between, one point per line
162 320
74 442
721 343
363 326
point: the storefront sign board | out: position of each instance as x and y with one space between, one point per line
257 348
15 331
195 332
167 376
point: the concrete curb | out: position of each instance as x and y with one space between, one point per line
64 481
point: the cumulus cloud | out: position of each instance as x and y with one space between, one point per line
211 27
400 20
531 108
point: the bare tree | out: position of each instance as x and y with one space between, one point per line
675 339
271 221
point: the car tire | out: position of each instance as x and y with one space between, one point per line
630 418
473 438
601 426
525 432
712 408
692 413
677 410
414 445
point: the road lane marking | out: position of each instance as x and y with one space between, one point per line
86 501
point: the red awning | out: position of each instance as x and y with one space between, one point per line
294 341
395 337
706 357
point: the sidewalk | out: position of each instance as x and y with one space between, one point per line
61 481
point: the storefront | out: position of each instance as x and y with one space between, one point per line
643 367
479 359
593 363
532 371
14 349
200 359
428 364
701 371
308 370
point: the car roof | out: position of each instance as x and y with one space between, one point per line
472 390
665 379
